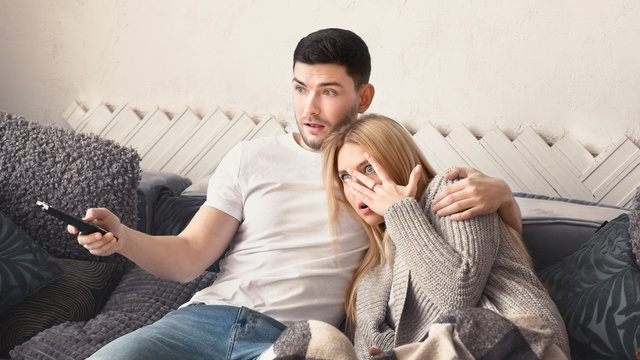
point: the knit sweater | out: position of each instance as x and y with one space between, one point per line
442 265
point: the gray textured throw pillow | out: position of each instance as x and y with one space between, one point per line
67 170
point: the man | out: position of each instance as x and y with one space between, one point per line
266 202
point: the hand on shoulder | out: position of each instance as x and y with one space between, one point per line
475 194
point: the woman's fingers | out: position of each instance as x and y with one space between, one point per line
412 186
359 189
366 181
378 169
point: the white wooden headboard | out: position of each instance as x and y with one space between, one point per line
192 146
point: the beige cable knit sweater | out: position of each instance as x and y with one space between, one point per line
442 265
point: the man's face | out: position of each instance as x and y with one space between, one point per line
324 97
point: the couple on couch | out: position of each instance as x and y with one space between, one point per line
406 245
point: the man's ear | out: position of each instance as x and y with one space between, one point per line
365 93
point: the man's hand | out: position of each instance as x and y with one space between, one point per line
477 194
96 243
374 350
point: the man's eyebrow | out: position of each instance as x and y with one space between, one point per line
330 83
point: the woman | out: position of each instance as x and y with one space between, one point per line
420 266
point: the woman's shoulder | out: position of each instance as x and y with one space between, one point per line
437 184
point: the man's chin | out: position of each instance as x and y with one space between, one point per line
314 141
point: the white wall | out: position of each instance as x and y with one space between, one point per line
557 66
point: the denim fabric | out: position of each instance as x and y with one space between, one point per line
198 332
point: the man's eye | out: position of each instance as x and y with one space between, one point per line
329 92
368 169
345 177
300 89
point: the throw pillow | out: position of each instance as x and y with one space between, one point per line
77 295
173 212
139 299
152 182
24 266
69 171
597 293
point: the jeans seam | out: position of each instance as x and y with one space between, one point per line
234 332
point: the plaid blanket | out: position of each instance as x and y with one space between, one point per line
472 333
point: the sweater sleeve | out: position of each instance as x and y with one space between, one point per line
450 261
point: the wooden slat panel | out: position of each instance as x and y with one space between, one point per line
624 191
538 153
96 120
171 140
149 130
192 147
269 127
437 150
614 164
470 149
73 115
573 155
122 125
521 171
210 130
205 164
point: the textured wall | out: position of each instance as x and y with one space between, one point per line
557 66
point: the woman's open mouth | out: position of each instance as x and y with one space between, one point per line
364 209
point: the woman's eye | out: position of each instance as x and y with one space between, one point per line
345 177
368 169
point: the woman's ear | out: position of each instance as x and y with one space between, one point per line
365 93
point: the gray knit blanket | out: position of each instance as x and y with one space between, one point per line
471 333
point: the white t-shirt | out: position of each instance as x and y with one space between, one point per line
281 261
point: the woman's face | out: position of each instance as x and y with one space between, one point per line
351 156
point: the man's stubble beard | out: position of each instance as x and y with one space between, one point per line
316 146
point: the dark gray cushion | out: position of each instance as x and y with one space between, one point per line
24 266
139 299
77 295
555 227
148 193
69 171
597 293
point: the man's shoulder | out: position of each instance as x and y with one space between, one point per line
266 142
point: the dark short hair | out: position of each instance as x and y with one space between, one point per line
336 46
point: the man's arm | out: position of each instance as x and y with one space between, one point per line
477 194
179 258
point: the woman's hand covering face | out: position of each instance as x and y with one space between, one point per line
379 194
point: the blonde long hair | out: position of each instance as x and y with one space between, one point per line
397 153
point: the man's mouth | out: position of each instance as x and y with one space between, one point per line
314 127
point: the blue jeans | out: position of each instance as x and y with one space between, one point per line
198 332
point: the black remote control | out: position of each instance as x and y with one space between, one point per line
81 225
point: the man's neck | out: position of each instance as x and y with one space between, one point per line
298 138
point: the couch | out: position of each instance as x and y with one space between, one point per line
585 253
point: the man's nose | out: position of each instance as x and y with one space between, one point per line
312 107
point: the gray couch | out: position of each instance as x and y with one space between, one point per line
564 238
